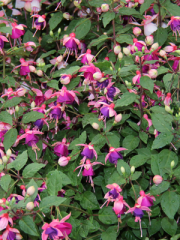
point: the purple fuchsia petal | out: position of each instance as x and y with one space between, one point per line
138 212
11 236
147 202
88 153
51 232
114 156
31 139
39 123
113 193
56 113
105 111
66 98
71 44
61 150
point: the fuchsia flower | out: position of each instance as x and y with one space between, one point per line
4 219
65 79
19 92
17 30
66 96
113 155
111 91
171 48
11 234
28 46
120 206
71 43
57 229
175 25
88 151
86 57
2 40
108 110
39 23
88 170
24 67
145 199
168 99
40 97
61 148
138 44
137 77
89 70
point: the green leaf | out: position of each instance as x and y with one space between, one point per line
129 12
156 190
89 201
54 182
10 138
90 118
161 36
110 233
97 41
49 201
176 237
28 36
5 181
131 223
136 175
125 38
99 141
147 83
6 30
138 160
107 18
53 84
174 9
98 3
19 162
5 117
120 164
170 203
44 55
80 140
145 6
130 143
161 123
12 102
170 81
82 28
73 83
169 226
83 108
31 152
32 116
126 99
107 216
55 20
162 140
31 169
28 226
143 136
162 70
71 70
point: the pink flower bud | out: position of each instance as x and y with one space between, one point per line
120 56
152 73
149 40
67 16
63 161
30 206
162 53
105 7
137 31
157 179
30 190
97 75
39 73
95 126
126 51
99 10
117 49
32 69
118 118
154 47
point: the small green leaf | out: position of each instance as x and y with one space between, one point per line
120 164
31 169
107 18
55 20
28 226
19 162
125 38
147 83
10 138
6 30
12 102
71 70
156 190
53 84
5 181
110 233
162 140
138 160
54 182
129 12
170 203
161 36
143 136
126 99
82 28
169 226
130 143
107 216
89 201
145 6
32 116
49 201
5 117
97 41
44 55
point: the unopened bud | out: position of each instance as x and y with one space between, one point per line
168 109
152 73
157 179
13 200
95 126
120 56
123 170
30 206
162 53
97 75
105 7
67 16
16 108
33 69
5 159
111 68
149 40
118 118
177 51
8 153
117 49
143 49
59 31
132 169
51 33
1 162
136 49
137 31
30 190
128 83
33 104
77 3
39 73
63 161
154 47
172 164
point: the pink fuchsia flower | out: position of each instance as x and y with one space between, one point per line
24 67
145 199
175 25
168 99
137 77
28 46
4 219
113 155
66 96
89 70
157 179
17 30
138 44
170 48
88 151
120 206
61 148
71 43
88 170
108 110
86 57
65 79
40 97
11 234
111 91
2 40
39 23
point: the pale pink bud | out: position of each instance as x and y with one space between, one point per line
117 49
105 7
39 61
95 126
126 51
137 31
63 161
97 75
157 179
30 206
149 40
162 53
140 1
32 69
5 159
33 104
39 73
99 10
118 118
30 190
120 56
152 73
8 153
154 47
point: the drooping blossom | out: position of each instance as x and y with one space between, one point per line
88 151
114 155
71 43
11 234
120 207
2 40
28 46
61 148
168 99
108 110
89 70
175 25
39 23
40 97
17 30
87 57
66 96
4 220
111 91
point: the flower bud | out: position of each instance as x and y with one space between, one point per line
136 31
135 49
63 161
168 109
77 3
33 104
157 179
123 170
30 206
59 31
172 164
143 49
17 108
8 153
111 68
152 73
162 53
120 56
105 7
13 200
149 40
128 84
95 126
117 49
5 159
1 162
67 16
177 51
132 169
118 118
154 47
51 33
30 190
32 68
97 76
39 73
